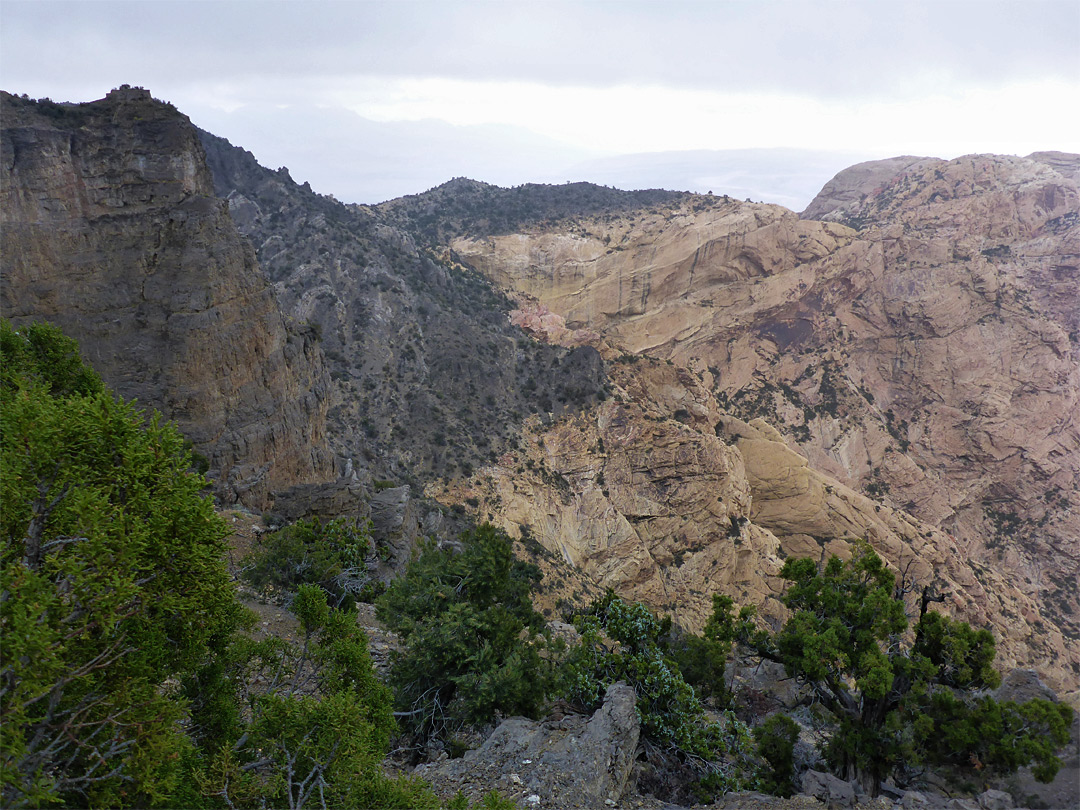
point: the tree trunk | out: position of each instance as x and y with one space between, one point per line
869 783
865 779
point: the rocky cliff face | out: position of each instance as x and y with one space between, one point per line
929 358
972 339
666 497
112 232
432 379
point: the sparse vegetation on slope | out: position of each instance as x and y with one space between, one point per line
127 680
462 206
433 381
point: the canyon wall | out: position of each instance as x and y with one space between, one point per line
112 232
920 343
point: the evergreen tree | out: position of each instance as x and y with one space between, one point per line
472 643
900 698
622 641
114 590
126 677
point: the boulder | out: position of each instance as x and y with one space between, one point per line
913 799
828 789
996 800
571 762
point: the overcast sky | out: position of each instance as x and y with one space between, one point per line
372 99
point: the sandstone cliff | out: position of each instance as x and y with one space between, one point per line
112 232
930 359
662 495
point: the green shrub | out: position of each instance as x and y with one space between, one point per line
672 714
775 740
702 659
900 700
472 643
126 675
320 721
328 554
114 585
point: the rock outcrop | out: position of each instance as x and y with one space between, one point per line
850 188
664 496
929 356
571 762
431 379
112 232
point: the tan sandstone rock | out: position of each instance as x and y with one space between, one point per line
931 358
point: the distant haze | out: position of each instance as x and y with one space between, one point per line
789 177
372 99
363 161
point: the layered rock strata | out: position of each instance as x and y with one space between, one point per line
664 496
921 346
112 232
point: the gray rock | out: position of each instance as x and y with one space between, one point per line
828 789
914 798
113 233
394 523
996 800
582 761
1021 685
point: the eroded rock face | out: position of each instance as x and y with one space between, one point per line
662 495
850 188
111 231
930 359
431 378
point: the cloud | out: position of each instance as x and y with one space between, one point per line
842 48
567 79
1015 118
360 160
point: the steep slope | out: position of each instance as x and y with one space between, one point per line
972 338
930 359
666 497
432 379
112 232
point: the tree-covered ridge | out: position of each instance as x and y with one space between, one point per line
468 207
